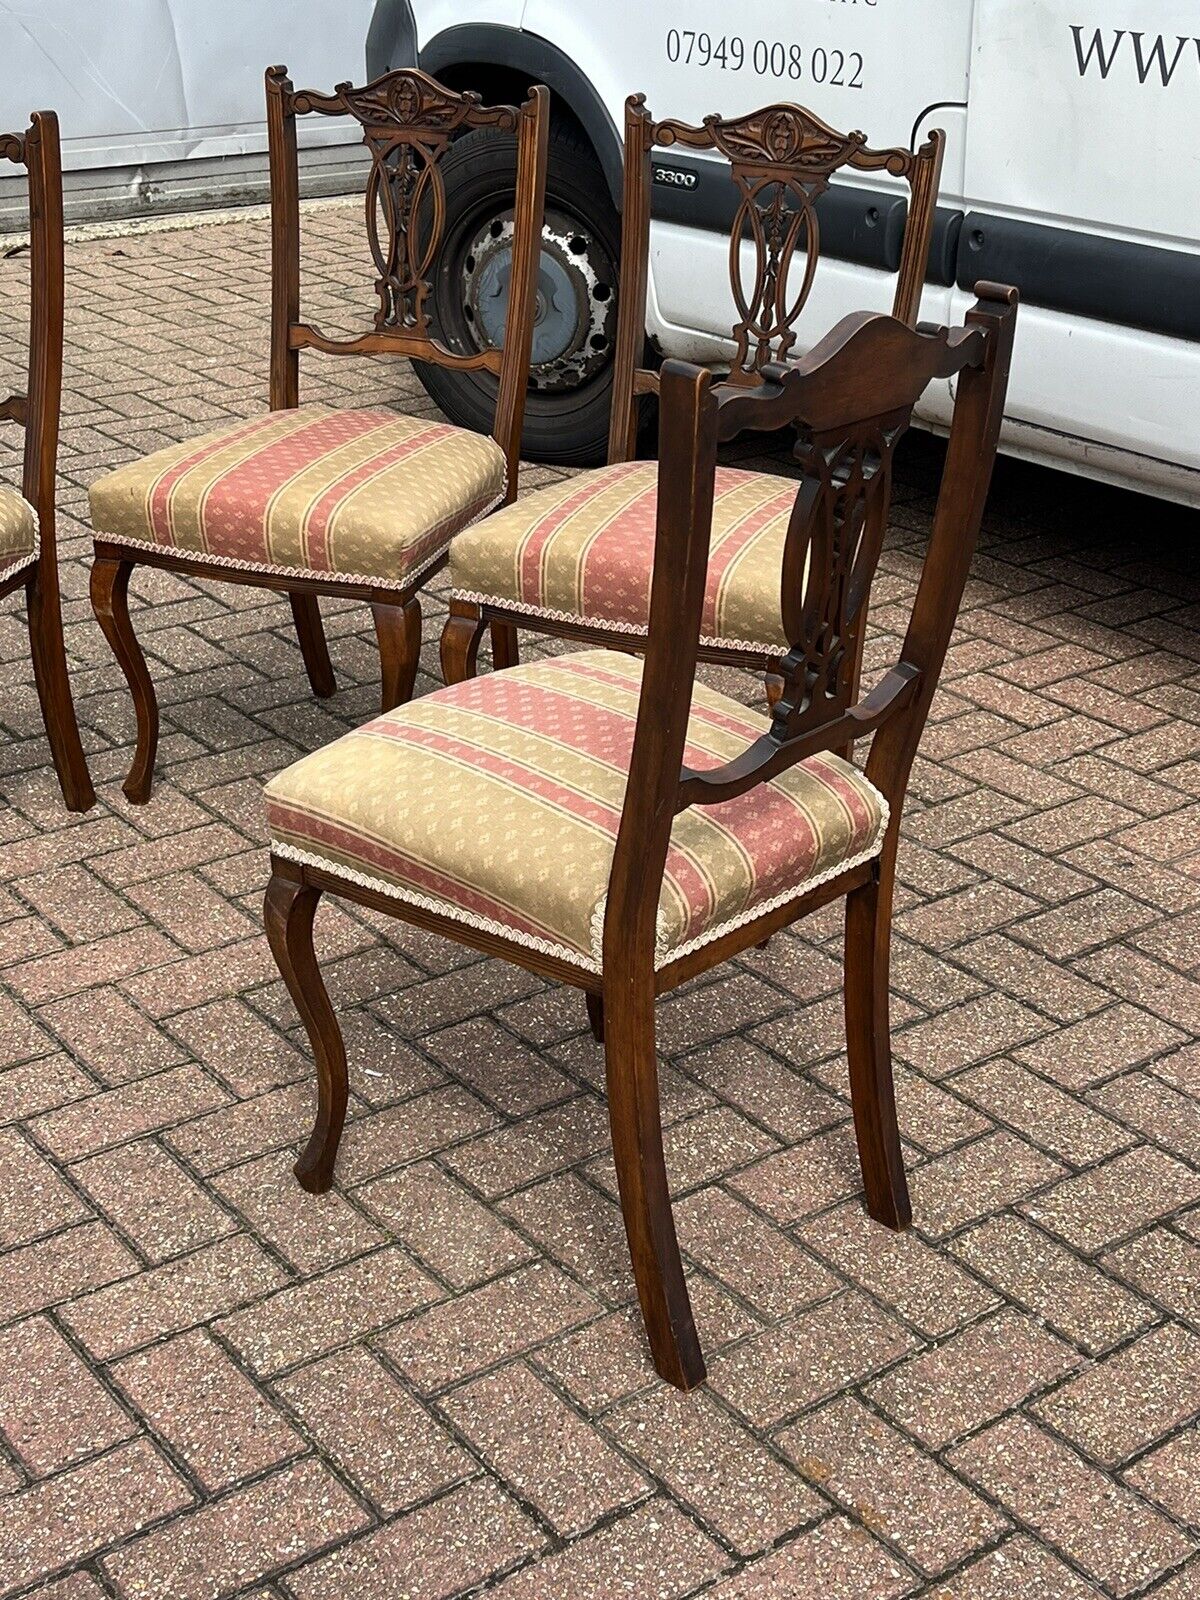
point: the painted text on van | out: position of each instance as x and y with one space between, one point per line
1154 58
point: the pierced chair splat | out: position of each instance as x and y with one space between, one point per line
611 824
575 559
311 500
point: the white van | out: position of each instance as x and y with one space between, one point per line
1072 170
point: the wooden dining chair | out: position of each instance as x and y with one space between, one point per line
618 827
311 500
28 547
575 559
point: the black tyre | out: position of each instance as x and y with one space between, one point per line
566 410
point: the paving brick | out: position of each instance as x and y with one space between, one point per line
414 1128
908 1498
1170 1476
1067 1293
200 978
312 1231
500 1068
836 1560
307 1320
1131 1398
37 1085
66 972
803 1178
716 1466
785 1369
929 1119
439 1549
1184 1586
1099 1046
124 1113
655 1553
53 1410
1042 1113
699 1150
38 1201
66 1519
152 1199
220 1547
579 1227
1085 923
759 1262
1018 1570
239 1048
921 1284
973 1031
443 1225
169 1298
377 1433
487 1325
543 1449
608 1360
52 1270
987 1369
1147 983
77 904
519 1153
206 1409
79 1586
969 914
785 1101
1032 978
110 1036
1116 1538
976 1179
246 1128
1164 1267
1125 1194
1155 1109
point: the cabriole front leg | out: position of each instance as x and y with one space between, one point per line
288 913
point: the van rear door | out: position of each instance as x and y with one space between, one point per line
1083 186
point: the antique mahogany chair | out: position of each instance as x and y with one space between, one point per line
311 500
575 558
28 551
620 828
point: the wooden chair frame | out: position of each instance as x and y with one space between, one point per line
848 398
781 158
409 121
38 410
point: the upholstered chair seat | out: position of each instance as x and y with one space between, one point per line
496 802
18 531
314 492
583 552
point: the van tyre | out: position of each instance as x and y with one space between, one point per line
567 407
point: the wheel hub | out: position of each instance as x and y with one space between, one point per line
575 300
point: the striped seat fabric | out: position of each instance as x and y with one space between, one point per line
18 531
353 494
496 802
583 551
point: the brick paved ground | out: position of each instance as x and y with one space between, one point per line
432 1380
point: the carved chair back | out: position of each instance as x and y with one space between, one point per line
850 400
781 160
408 123
37 150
